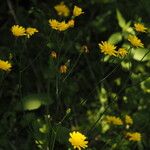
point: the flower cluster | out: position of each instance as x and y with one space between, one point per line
21 31
117 120
61 26
78 140
63 10
132 136
133 39
110 49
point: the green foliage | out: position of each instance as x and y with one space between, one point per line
115 38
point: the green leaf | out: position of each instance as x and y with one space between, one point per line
139 53
115 38
145 85
34 101
121 20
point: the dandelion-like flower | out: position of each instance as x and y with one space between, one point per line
53 23
135 41
122 52
78 140
77 11
70 23
128 119
107 48
5 65
62 26
63 69
30 31
53 54
114 120
133 136
140 27
62 9
18 30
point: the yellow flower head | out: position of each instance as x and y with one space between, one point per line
140 27
107 48
71 23
54 24
62 9
133 136
78 140
77 11
53 54
128 120
122 52
63 69
18 30
5 65
30 31
114 120
135 41
60 26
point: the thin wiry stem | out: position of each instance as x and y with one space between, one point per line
12 11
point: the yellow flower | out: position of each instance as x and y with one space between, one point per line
63 69
5 65
18 30
30 31
71 23
60 26
53 54
140 27
114 120
133 136
54 24
135 41
128 120
62 9
77 140
107 48
122 52
77 11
